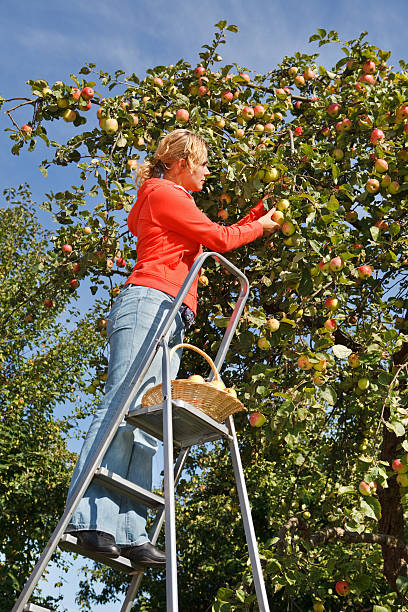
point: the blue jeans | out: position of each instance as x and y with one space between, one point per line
132 322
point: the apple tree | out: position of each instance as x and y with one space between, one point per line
320 355
47 353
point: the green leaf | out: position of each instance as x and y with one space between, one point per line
233 28
395 426
328 395
224 594
341 351
316 247
402 584
377 608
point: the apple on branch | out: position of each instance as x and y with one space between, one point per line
256 419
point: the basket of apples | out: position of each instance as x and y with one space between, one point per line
213 397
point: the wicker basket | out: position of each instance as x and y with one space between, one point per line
217 404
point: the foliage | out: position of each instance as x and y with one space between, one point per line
331 381
43 364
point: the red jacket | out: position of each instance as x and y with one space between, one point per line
170 232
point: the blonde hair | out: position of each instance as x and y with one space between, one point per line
178 144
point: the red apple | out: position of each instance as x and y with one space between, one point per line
299 80
288 228
282 93
199 71
259 111
380 165
336 264
399 467
354 361
87 93
304 363
333 110
245 77
247 113
369 67
48 303
182 115
74 283
372 186
342 588
222 214
227 96
256 419
377 136
364 488
332 303
26 129
120 262
364 271
338 154
367 78
298 131
76 93
67 248
330 325
309 74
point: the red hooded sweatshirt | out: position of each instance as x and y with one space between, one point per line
170 232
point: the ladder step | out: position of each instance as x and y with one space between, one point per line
190 425
34 608
129 489
68 542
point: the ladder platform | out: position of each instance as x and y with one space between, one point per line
68 542
190 425
129 489
34 608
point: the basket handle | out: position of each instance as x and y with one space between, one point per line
200 352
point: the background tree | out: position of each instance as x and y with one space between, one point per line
47 352
320 355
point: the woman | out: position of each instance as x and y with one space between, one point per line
170 232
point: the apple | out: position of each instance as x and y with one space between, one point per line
67 248
333 110
402 112
256 419
330 325
84 105
326 131
110 126
114 292
217 384
259 111
220 123
26 129
225 198
87 93
299 81
318 606
324 266
364 488
309 74
269 128
364 271
293 70
48 303
380 165
75 93
373 186
336 264
367 78
199 71
351 216
102 323
202 90
132 164
231 391
318 379
369 67
203 280
196 378
273 324
342 588
377 136
76 268
182 115
394 187
363 383
399 467
62 102
354 361
69 115
247 113
74 283
304 363
271 175
402 480
382 225
158 81
288 228
338 154
281 93
227 96
283 205
259 128
321 365
222 214
239 133
278 217
332 303
134 119
263 343
120 262
298 131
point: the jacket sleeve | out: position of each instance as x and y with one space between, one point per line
257 211
176 210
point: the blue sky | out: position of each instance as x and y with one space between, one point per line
50 40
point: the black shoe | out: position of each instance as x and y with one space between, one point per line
97 542
145 555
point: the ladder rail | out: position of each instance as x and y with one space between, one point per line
136 374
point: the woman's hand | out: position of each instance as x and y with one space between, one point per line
269 226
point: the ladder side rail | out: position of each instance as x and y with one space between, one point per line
154 533
247 520
170 509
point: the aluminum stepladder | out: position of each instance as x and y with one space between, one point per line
177 424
